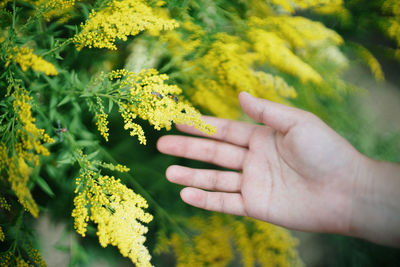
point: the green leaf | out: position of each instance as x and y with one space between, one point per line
64 101
110 105
64 161
44 186
93 155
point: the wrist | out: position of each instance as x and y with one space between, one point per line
375 202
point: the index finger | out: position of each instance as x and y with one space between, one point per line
234 132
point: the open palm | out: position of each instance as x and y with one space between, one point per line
295 172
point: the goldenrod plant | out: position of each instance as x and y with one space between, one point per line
74 74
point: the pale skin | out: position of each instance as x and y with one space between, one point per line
293 171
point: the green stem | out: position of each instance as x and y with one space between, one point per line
62 45
18 228
14 16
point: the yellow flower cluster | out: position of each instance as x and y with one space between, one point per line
118 20
299 32
275 52
56 4
9 259
394 29
225 70
391 7
26 151
35 257
183 44
50 9
119 167
390 23
373 64
290 6
117 211
220 237
102 120
26 59
146 95
209 248
229 64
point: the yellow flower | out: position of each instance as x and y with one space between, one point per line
393 29
9 259
147 96
102 122
26 59
118 20
227 69
117 211
300 32
26 151
370 60
273 246
35 257
391 7
218 238
272 49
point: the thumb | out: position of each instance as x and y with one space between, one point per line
277 116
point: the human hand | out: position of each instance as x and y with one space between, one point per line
294 171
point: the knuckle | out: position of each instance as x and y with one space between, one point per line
308 116
262 115
221 202
214 181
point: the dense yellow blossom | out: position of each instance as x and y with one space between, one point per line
209 248
390 22
227 69
272 49
102 119
102 122
373 64
8 259
26 151
393 30
117 211
230 64
26 59
338 9
185 41
35 257
243 243
53 4
274 246
391 7
219 237
290 6
300 32
147 95
118 20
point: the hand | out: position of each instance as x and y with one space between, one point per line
294 171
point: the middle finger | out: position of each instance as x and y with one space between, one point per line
219 153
